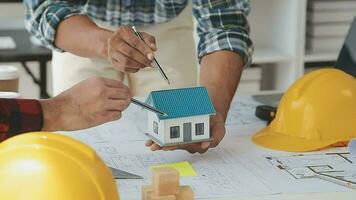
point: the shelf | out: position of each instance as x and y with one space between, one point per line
321 57
265 55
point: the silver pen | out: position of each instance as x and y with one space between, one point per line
148 107
138 34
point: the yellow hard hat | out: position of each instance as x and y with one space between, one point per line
49 166
317 111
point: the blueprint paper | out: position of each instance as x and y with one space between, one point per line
241 119
236 168
219 174
302 167
121 145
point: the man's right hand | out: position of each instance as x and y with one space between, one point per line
128 53
89 103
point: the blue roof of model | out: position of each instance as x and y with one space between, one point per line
184 102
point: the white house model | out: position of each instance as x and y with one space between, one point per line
188 116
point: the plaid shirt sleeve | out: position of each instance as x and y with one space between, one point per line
19 116
223 25
43 17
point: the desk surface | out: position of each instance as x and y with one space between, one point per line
120 143
25 50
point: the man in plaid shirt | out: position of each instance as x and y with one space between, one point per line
89 103
95 37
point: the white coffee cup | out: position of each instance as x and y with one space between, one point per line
9 78
9 95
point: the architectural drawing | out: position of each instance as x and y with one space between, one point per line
236 168
301 166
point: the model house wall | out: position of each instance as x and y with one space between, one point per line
152 117
192 120
164 128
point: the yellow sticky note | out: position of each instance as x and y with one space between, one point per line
185 169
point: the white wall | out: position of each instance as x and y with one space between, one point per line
153 117
12 15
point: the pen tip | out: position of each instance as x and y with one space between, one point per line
169 83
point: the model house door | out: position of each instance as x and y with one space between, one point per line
187 132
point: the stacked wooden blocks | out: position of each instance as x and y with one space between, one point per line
165 186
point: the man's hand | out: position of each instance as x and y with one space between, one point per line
217 132
128 53
220 73
89 103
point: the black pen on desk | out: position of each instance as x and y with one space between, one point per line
146 106
138 34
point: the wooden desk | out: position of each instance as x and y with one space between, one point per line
26 52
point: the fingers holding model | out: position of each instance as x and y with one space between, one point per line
128 53
87 104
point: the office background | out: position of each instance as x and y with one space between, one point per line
288 37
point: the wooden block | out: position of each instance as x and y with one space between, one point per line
146 191
153 196
165 181
185 193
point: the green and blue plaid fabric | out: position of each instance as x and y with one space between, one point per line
221 24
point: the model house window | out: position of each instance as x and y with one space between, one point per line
155 127
175 132
199 129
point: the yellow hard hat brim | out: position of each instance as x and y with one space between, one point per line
278 141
